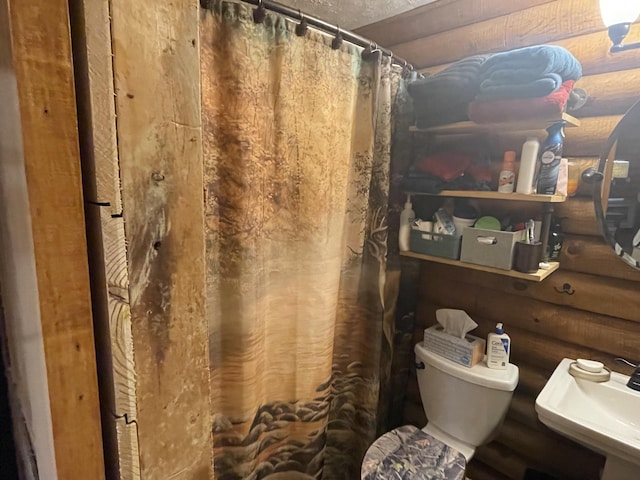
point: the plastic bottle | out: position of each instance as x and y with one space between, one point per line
556 237
528 160
498 348
407 217
550 159
508 173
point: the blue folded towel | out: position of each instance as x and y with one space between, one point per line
444 97
456 84
491 90
527 72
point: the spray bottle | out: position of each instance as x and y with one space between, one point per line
550 157
407 217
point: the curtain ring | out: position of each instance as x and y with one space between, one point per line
369 52
301 28
337 41
259 13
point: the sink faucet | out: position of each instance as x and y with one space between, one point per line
634 379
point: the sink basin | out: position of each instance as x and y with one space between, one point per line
604 417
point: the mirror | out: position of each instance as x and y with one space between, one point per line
617 202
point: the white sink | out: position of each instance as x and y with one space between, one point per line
604 417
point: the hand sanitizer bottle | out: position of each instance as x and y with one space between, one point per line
498 349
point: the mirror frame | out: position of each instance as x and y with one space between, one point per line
597 192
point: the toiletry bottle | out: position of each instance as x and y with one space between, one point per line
407 217
528 160
498 349
508 173
550 157
556 237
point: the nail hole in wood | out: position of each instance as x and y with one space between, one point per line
157 245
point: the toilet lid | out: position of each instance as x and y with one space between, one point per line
410 454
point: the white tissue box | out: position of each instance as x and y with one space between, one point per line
466 351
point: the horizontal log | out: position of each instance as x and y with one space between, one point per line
607 296
477 470
439 17
578 217
508 463
580 164
546 342
586 329
545 352
523 410
540 24
591 137
558 455
592 255
611 93
592 51
532 379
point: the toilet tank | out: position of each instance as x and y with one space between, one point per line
467 403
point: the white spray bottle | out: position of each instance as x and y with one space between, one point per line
407 217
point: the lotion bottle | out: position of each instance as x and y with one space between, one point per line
498 349
407 217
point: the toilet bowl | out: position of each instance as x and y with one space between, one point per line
464 407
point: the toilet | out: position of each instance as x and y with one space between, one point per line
464 406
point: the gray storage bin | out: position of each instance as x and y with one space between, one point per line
491 248
436 244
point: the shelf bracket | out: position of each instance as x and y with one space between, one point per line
547 212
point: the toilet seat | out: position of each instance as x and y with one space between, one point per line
411 454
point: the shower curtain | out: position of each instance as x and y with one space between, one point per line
300 292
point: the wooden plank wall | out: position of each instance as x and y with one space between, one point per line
43 250
600 320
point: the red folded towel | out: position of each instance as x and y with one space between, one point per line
498 111
445 165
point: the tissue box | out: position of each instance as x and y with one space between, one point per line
466 351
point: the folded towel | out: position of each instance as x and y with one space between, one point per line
534 62
490 89
521 108
453 87
527 72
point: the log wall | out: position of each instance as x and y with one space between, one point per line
600 320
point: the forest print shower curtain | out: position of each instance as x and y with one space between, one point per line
300 299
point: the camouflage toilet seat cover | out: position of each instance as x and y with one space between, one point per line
407 453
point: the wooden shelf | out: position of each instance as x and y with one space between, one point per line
539 276
524 125
515 197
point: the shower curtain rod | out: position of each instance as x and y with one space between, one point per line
329 28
